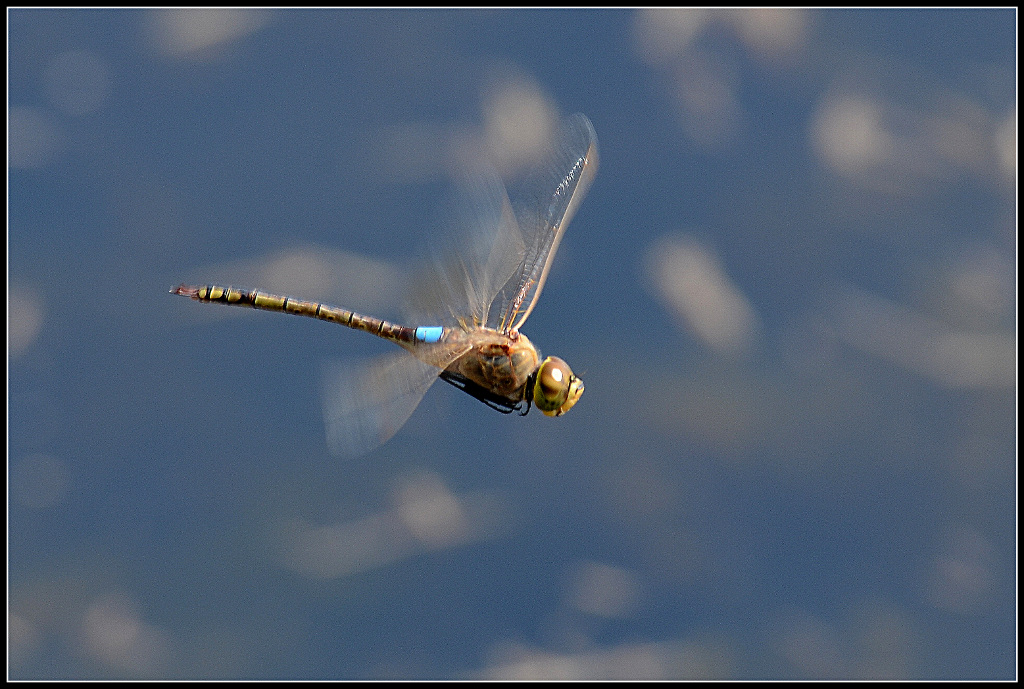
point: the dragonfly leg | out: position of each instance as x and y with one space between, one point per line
495 402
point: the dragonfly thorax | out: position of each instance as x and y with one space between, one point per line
499 362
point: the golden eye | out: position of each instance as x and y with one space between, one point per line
556 389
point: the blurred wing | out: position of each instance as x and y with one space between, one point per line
366 403
551 196
467 276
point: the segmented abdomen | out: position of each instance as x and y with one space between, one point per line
257 299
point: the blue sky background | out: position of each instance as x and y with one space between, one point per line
791 292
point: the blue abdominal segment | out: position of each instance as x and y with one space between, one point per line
429 334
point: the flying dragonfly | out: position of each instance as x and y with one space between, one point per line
483 293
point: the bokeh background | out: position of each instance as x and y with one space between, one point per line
791 292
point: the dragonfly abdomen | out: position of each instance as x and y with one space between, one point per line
256 299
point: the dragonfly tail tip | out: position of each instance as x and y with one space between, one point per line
185 290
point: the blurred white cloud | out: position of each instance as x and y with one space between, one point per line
905 145
34 137
702 79
519 121
604 590
962 578
431 512
979 286
114 634
198 33
77 82
811 646
875 640
1006 145
26 314
310 272
663 35
336 550
39 481
23 639
672 659
706 90
772 32
694 285
927 346
849 136
425 515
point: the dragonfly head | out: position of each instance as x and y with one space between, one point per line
555 388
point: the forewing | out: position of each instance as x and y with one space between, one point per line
548 200
484 249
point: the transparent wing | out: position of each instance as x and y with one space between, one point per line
366 403
549 199
465 277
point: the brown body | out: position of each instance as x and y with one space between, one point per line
499 362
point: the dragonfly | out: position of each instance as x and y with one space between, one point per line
481 296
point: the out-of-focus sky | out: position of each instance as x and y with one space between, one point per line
791 292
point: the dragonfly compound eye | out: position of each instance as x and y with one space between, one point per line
556 389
